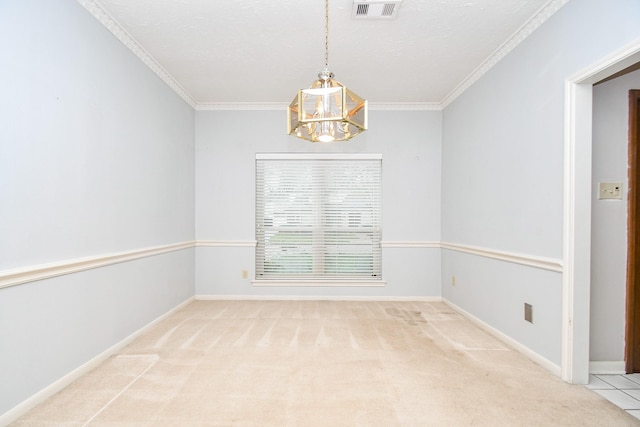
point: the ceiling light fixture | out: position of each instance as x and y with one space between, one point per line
327 111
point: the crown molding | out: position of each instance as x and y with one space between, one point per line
93 7
105 19
521 34
236 106
282 106
405 106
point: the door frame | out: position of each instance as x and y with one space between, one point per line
632 327
576 286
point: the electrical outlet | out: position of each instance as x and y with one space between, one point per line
528 312
610 190
453 280
245 274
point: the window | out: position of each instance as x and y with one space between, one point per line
318 217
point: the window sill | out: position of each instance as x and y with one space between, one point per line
319 283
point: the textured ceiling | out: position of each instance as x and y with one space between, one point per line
264 51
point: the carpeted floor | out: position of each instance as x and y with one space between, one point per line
321 363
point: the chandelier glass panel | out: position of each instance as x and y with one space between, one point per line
327 111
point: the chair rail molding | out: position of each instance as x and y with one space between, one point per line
550 264
23 275
226 243
409 244
18 276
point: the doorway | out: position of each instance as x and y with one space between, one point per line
577 209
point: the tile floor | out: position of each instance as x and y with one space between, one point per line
621 390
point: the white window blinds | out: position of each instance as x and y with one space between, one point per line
318 218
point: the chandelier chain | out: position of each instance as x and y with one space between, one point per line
327 111
326 34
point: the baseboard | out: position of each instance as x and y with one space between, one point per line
312 298
319 283
607 367
526 351
47 392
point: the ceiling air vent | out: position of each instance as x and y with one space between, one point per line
375 9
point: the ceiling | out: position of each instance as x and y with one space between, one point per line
263 51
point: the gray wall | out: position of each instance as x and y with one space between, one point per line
96 157
609 218
503 142
225 181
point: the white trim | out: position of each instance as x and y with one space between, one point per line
569 214
242 106
520 35
23 275
313 298
577 209
410 244
532 355
125 38
324 283
282 106
19 276
609 65
55 387
152 360
544 263
405 106
528 260
226 243
607 367
318 156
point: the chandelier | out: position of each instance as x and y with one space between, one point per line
327 111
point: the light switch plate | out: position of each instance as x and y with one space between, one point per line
610 190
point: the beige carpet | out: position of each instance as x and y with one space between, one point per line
321 363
